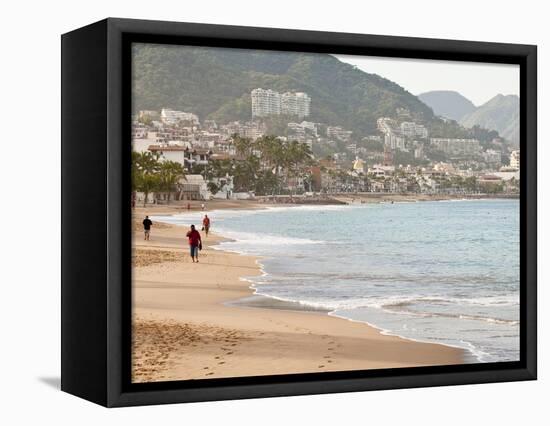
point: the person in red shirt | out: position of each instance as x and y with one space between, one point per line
195 243
206 224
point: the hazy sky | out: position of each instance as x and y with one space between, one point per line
478 82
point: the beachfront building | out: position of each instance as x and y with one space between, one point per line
139 131
171 117
456 147
224 187
514 159
193 187
183 154
381 171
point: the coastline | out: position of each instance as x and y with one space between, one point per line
194 321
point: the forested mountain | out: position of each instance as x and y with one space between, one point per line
216 84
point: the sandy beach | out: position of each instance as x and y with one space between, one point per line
189 321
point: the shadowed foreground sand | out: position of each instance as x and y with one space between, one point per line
185 329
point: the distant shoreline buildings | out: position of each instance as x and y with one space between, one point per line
269 102
514 159
400 158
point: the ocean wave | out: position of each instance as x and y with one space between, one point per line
397 304
263 239
187 218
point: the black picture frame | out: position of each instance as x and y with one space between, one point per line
96 226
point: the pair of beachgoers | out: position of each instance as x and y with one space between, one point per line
194 236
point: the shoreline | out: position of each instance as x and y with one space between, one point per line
264 301
261 202
200 318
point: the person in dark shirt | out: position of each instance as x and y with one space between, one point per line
147 227
195 243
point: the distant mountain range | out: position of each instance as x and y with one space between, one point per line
501 113
447 103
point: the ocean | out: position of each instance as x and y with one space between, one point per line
444 272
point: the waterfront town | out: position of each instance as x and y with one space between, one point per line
279 154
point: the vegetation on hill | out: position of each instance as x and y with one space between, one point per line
216 83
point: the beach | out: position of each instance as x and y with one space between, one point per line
190 321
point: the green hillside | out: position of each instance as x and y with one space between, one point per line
216 84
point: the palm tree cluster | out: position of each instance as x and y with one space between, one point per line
265 165
150 174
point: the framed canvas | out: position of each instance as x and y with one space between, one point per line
256 212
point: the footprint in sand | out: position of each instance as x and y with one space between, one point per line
221 362
321 366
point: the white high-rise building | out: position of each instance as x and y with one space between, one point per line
265 102
411 129
269 102
393 141
295 104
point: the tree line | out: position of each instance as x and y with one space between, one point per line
264 165
150 174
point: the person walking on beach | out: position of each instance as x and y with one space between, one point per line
195 243
206 224
147 227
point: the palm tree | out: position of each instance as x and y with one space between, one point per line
243 146
170 174
145 166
